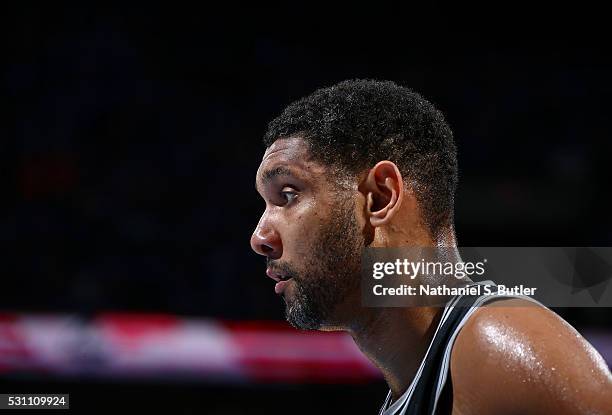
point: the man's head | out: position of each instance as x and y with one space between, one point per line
362 163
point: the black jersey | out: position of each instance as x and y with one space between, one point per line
429 392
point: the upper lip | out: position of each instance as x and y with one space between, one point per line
275 275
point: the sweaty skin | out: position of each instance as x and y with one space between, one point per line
516 356
512 357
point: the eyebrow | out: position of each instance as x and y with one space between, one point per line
271 174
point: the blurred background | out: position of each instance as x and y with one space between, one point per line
130 141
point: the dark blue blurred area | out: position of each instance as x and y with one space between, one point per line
132 137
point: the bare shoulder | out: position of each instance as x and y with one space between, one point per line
514 356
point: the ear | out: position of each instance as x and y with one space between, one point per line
384 192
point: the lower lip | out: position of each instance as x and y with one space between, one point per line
280 286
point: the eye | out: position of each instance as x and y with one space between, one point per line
289 194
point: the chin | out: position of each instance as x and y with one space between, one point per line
300 318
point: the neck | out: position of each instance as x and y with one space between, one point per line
446 238
395 340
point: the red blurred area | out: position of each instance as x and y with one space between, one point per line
133 345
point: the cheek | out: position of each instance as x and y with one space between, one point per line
303 228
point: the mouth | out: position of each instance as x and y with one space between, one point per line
281 280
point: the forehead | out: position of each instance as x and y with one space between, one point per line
289 149
290 154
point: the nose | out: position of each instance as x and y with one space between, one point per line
266 241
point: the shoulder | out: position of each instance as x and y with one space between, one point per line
514 355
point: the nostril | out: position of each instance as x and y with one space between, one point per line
266 241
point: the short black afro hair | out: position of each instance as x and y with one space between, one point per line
355 124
